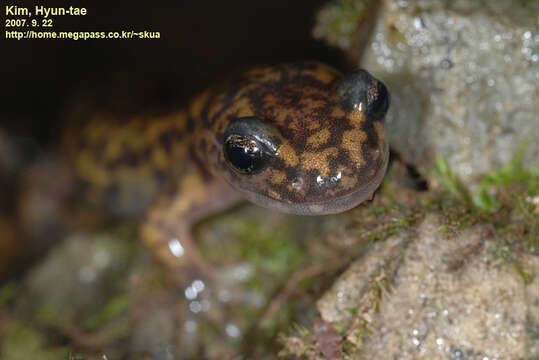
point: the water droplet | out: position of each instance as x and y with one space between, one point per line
242 272
195 307
232 330
198 285
102 258
190 326
87 275
176 247
403 3
190 293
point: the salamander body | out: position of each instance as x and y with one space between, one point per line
299 138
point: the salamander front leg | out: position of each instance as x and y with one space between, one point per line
166 228
174 248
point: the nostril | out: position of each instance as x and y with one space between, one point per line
375 154
298 183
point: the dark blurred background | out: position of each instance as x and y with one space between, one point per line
200 42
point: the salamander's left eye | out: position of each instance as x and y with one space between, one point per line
361 91
245 154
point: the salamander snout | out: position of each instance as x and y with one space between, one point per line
306 139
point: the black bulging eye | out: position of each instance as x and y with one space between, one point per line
361 91
245 154
249 144
377 100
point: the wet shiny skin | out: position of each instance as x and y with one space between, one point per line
300 138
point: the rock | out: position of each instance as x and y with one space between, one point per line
42 203
354 286
438 296
462 74
81 281
154 334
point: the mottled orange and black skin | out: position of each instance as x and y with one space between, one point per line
301 138
322 152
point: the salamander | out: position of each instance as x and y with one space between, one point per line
299 138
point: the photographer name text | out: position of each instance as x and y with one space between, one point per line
40 10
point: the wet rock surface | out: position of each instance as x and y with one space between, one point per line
463 76
451 297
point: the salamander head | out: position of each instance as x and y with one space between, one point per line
304 139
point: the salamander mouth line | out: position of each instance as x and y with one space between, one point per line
332 205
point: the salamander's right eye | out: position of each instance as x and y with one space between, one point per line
245 154
249 145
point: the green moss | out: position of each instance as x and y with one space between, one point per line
375 222
513 176
8 292
48 313
501 198
526 275
529 234
352 310
272 250
112 309
23 343
275 247
449 182
340 19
